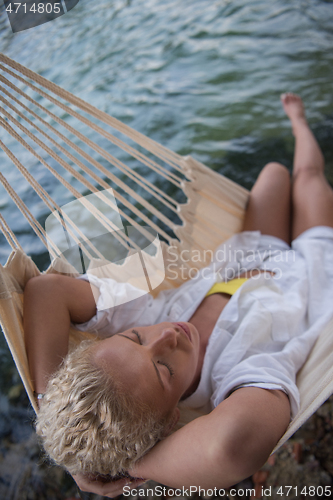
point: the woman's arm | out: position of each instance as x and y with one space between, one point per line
216 450
221 448
51 302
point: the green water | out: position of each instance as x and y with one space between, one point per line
201 77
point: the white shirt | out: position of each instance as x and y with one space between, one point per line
265 332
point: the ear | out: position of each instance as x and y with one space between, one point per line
172 422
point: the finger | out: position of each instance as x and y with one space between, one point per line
112 490
100 488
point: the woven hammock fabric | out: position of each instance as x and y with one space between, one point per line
90 151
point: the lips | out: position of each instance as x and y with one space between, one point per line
186 330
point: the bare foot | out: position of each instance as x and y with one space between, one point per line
293 107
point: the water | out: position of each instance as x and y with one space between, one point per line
202 78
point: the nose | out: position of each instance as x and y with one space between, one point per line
167 340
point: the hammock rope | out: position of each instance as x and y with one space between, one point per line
170 177
38 229
120 165
79 177
44 195
152 146
48 202
50 131
9 235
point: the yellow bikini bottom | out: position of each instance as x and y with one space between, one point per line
229 287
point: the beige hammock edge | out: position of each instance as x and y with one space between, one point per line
213 212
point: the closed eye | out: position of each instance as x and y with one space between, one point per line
171 371
138 335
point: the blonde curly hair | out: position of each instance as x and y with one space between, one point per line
89 424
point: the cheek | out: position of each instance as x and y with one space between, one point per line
189 366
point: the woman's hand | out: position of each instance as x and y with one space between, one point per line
110 489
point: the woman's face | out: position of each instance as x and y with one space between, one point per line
157 364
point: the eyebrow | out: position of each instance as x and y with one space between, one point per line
154 364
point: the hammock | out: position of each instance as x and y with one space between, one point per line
90 146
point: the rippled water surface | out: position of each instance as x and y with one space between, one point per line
202 78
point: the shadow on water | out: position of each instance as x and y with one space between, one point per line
324 133
244 163
243 166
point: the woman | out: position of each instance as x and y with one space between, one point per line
237 357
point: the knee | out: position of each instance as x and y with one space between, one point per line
274 168
275 175
42 283
307 174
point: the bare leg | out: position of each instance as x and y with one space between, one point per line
268 209
312 196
